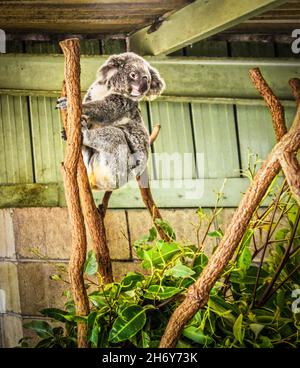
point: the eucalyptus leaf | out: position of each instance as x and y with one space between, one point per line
167 229
159 254
131 279
180 271
215 234
256 328
238 329
196 335
245 259
161 292
99 300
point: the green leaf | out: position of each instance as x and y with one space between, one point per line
146 238
45 343
55 313
200 262
145 339
94 336
152 234
91 265
130 321
219 304
246 241
195 334
180 271
238 329
245 259
97 299
249 277
91 319
167 229
131 279
161 292
281 300
265 342
216 234
256 328
41 328
55 277
183 345
159 254
281 234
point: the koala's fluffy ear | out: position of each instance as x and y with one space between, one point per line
157 84
112 65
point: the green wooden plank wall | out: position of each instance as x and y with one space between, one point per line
15 158
224 134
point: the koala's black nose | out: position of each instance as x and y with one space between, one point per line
144 84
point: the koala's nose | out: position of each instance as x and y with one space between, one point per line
144 84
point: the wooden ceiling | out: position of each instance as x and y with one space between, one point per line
83 16
282 19
121 16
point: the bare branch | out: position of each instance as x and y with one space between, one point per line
154 133
291 169
275 106
144 185
295 86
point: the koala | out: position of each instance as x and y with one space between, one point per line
115 140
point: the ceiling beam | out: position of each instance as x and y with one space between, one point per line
29 74
195 22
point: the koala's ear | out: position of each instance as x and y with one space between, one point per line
157 84
112 65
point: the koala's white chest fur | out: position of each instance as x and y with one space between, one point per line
96 92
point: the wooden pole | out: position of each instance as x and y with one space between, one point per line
71 51
198 293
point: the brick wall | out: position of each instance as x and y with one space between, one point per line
35 241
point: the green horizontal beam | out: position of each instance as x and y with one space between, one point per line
179 99
186 77
188 195
195 22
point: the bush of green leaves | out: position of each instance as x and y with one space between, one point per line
242 311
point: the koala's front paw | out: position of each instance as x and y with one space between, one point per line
61 103
85 122
63 134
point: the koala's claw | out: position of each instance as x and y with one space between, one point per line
84 122
63 134
61 103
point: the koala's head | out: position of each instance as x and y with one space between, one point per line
131 75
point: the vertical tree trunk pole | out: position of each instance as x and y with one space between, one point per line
71 51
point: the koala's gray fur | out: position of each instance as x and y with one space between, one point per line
115 140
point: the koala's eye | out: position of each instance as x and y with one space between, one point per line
133 75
